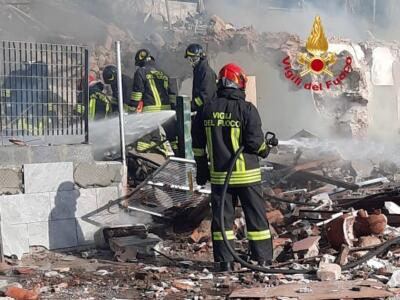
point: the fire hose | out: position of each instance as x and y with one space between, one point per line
380 249
225 239
348 266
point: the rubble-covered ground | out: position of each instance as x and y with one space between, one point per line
334 211
334 221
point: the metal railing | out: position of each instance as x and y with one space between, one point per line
43 90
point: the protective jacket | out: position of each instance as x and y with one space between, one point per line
151 85
204 84
225 124
126 93
99 103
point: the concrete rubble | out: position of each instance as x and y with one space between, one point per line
338 230
334 218
327 272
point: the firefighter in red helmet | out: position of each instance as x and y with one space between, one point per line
226 124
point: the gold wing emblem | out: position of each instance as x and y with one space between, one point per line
317 45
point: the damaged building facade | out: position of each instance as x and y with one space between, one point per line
351 109
75 225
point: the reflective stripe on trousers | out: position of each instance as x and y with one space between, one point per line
217 235
258 235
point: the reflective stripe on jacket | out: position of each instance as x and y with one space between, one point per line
151 85
226 124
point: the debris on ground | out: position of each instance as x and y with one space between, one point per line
337 219
338 234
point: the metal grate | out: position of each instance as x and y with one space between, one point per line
169 190
166 193
43 89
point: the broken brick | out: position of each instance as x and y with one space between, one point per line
377 222
278 242
367 241
24 271
202 233
306 244
183 284
340 231
275 217
22 294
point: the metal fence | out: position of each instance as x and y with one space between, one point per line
43 90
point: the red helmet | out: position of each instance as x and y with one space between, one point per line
232 76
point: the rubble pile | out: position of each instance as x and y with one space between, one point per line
336 220
346 104
329 218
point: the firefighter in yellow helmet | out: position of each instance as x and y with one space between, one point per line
152 93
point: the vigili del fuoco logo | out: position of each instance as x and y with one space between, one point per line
318 61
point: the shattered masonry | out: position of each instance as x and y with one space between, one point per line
336 220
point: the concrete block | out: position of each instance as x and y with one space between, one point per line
72 204
121 190
45 154
142 245
105 195
77 153
38 234
85 232
6 155
19 155
22 155
10 180
328 272
14 155
62 234
394 281
87 202
15 239
63 204
48 177
98 174
24 208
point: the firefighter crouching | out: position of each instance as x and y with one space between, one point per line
110 77
152 93
100 105
222 128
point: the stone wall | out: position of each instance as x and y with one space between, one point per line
53 199
24 177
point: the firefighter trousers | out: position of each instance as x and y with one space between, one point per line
258 234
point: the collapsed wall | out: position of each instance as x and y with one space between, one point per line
343 107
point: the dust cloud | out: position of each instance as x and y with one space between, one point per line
282 109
